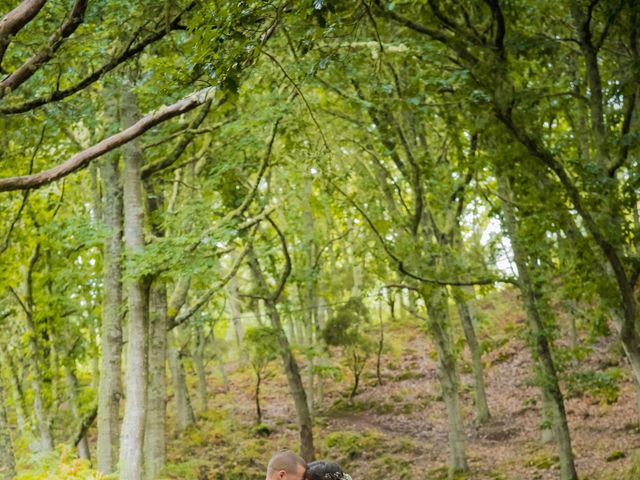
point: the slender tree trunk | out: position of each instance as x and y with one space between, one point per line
436 301
219 358
39 409
17 392
310 321
292 371
7 460
72 386
547 375
155 451
110 383
198 360
461 298
234 306
380 346
258 409
296 386
184 410
132 433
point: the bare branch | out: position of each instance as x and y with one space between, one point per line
19 300
83 158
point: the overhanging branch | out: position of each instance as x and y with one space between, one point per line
128 53
15 20
83 158
33 63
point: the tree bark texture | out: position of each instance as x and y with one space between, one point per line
133 424
110 383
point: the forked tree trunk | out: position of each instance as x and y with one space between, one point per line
462 298
43 421
133 424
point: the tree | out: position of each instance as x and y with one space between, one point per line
261 345
346 330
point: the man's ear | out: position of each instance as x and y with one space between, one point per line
281 475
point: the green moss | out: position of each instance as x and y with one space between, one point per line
615 455
541 460
392 466
351 445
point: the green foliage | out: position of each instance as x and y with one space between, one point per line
352 445
601 385
261 344
60 464
345 329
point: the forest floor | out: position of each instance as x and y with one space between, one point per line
398 430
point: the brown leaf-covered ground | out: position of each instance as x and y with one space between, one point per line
398 430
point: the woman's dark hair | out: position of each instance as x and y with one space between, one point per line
323 470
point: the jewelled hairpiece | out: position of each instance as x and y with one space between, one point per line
338 476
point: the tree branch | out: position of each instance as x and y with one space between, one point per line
83 158
127 54
179 149
15 20
501 29
287 262
428 31
202 301
84 426
400 263
33 64
19 300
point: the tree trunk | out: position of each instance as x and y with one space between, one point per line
546 370
42 418
234 306
155 452
380 346
16 390
184 410
72 385
7 460
132 434
462 297
296 386
438 311
258 409
199 363
292 371
110 383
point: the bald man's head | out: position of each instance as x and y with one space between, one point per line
286 465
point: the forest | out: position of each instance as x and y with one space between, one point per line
402 235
